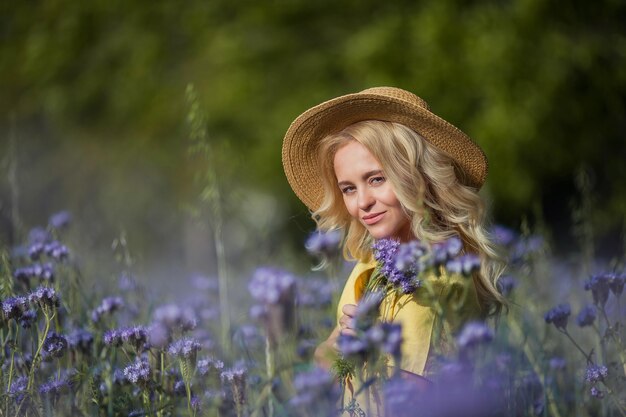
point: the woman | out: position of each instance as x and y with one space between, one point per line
379 164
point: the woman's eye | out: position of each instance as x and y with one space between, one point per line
347 190
377 180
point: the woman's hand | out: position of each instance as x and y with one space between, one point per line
327 351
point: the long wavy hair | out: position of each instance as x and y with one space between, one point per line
429 185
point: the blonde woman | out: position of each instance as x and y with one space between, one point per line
379 164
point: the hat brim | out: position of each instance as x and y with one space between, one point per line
299 153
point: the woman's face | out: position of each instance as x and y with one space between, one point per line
367 194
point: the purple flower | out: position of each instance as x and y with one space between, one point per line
314 292
386 337
136 336
557 363
56 250
42 271
44 297
80 340
158 335
60 220
446 250
464 265
367 309
18 389
173 316
236 378
35 251
313 388
506 284
271 285
616 283
184 348
107 306
350 345
27 319
599 287
139 372
503 235
473 334
595 373
596 393
400 397
324 244
587 316
113 338
205 365
58 385
54 346
39 235
558 315
399 264
14 307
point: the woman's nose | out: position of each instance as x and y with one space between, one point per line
365 199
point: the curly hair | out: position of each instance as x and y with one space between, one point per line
430 187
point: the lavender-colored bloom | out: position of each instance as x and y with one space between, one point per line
39 235
525 247
587 316
54 346
503 235
80 340
60 219
596 393
473 334
113 338
205 365
350 345
107 306
56 250
313 388
616 283
42 271
559 315
313 292
599 287
446 250
137 413
44 297
324 244
399 397
27 319
139 372
271 285
18 389
236 378
386 337
172 316
35 250
595 373
506 284
134 335
58 385
14 307
158 335
464 265
557 363
399 264
184 348
367 309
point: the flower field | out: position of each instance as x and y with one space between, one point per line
69 350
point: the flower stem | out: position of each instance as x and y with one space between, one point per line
587 356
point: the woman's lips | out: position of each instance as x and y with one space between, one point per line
372 218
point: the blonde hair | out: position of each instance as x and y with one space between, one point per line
429 186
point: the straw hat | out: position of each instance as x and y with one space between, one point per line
380 103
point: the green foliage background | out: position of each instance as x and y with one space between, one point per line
92 93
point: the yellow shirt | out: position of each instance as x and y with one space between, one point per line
429 318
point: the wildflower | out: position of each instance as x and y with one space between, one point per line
503 235
107 306
14 307
138 372
312 387
557 363
616 283
158 335
506 284
271 285
35 250
558 315
596 373
205 365
60 384
18 389
526 247
80 340
113 338
184 348
60 220
350 345
314 292
54 346
136 336
236 378
464 265
446 250
44 297
367 309
127 282
42 271
56 250
399 397
587 316
399 264
599 287
473 334
386 337
39 235
323 244
596 393
27 319
172 316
